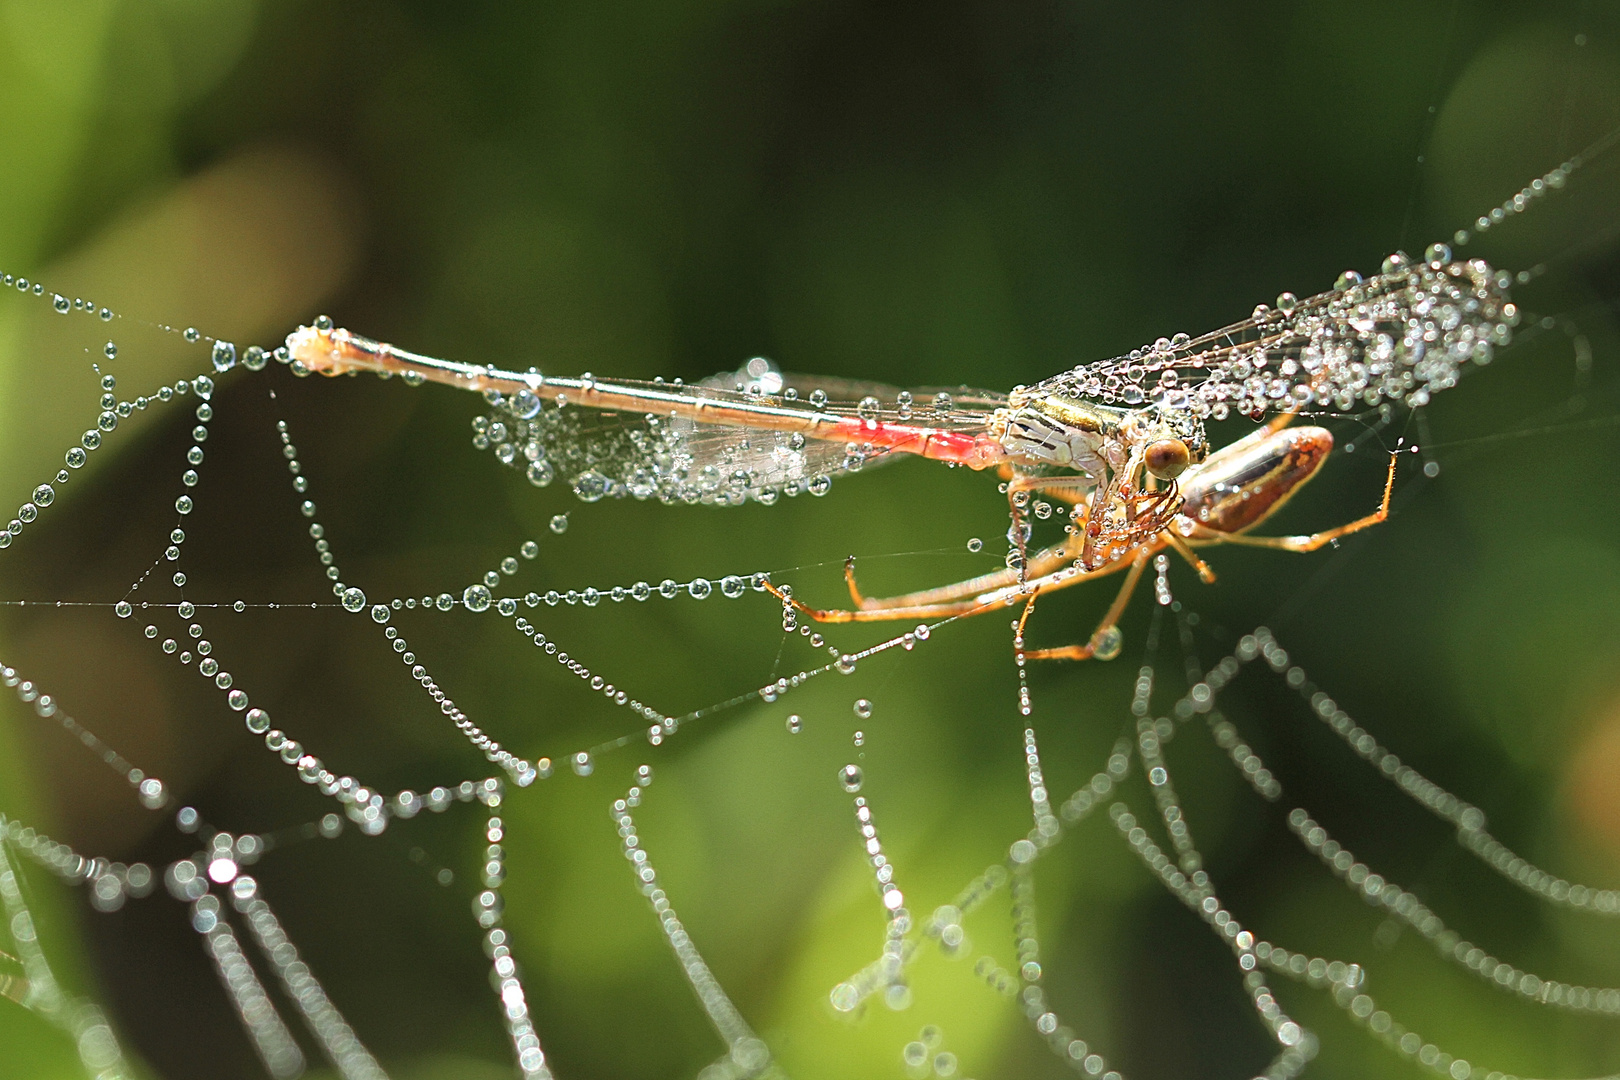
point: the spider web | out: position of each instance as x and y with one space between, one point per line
423 760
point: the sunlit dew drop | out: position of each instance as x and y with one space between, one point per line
582 763
475 598
975 545
845 665
559 523
110 350
379 613
863 709
61 304
257 721
859 738
850 776
224 356
353 600
795 724
191 334
44 495
644 775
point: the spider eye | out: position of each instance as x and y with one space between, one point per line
1167 458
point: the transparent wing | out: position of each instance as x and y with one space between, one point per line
1401 335
616 454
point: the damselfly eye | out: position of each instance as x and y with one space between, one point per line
1167 458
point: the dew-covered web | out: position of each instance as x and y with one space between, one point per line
1195 682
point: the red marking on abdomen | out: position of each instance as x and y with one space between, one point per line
975 451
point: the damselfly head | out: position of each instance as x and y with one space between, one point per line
1175 439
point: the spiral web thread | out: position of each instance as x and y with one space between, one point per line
227 905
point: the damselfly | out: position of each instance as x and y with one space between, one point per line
1122 440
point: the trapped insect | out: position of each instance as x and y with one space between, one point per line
1122 440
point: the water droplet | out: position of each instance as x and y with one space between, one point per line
582 763
975 545
379 613
257 721
1108 643
191 334
591 486
850 777
699 589
237 700
353 599
61 304
224 356
123 609
526 404
845 664
859 738
475 598
644 775
559 523
76 457
255 358
44 495
110 350
863 709
795 724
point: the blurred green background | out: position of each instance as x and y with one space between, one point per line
917 194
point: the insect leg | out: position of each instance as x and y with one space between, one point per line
1313 541
906 605
1206 573
943 610
1105 641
